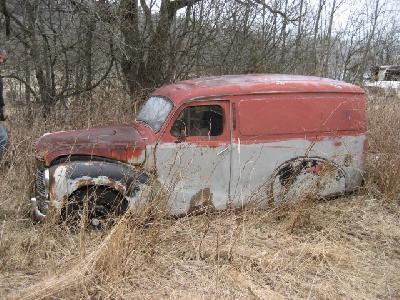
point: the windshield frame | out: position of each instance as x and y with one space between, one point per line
169 113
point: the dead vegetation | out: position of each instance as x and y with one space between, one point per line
342 248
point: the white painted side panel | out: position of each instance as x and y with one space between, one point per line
254 165
187 169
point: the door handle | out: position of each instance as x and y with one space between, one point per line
223 150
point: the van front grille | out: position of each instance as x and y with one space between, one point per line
40 187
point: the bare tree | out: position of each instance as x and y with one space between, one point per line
68 47
45 30
145 45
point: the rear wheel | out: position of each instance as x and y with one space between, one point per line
93 206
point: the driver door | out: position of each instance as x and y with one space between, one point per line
193 157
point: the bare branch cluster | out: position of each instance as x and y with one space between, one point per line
63 48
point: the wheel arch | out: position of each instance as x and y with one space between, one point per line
68 177
285 174
96 201
284 168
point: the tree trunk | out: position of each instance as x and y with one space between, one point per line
36 57
132 54
299 32
328 40
363 65
316 28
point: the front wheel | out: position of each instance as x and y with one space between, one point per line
93 206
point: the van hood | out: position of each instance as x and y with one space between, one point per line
123 143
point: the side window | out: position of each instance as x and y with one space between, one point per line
204 120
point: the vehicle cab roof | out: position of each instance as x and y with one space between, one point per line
218 86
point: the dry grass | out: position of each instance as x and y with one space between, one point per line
342 248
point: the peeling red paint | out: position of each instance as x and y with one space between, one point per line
252 84
127 143
312 116
337 143
123 143
291 101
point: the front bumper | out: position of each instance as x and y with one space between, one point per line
40 201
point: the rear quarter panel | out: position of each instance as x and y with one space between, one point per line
273 129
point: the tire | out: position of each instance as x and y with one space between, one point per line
97 204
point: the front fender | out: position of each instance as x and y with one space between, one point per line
67 177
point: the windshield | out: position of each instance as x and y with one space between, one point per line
154 112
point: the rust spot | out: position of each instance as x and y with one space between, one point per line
348 160
337 144
201 202
123 142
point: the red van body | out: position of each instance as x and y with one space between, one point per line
217 142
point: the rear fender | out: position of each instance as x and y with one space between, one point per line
307 175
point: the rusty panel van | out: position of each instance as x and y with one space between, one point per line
216 142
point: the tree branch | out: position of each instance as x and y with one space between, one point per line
31 90
8 16
284 15
147 14
96 84
178 4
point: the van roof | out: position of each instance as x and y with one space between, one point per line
215 86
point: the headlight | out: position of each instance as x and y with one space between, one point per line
46 179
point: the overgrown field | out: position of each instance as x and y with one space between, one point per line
347 247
